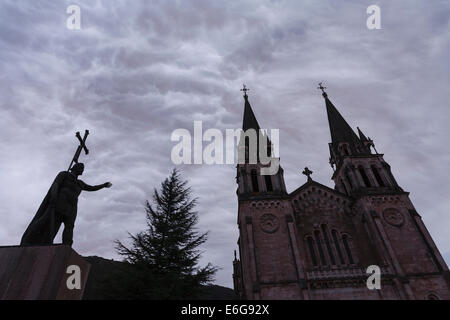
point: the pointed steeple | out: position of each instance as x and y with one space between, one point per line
357 172
249 121
250 177
344 141
339 128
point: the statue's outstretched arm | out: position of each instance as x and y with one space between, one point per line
87 187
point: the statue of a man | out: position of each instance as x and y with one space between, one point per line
59 206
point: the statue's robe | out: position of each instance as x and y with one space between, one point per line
42 228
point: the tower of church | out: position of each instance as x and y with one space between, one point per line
317 242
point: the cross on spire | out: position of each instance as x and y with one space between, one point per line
307 173
321 87
245 89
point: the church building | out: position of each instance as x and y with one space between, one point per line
317 242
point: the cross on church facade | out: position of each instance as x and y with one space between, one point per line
307 173
82 146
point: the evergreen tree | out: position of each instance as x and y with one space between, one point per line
165 256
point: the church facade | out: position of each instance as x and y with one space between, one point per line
317 242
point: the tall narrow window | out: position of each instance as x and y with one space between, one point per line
334 234
345 188
319 247
328 244
311 251
347 249
377 176
345 149
255 181
364 176
349 180
268 179
247 148
269 148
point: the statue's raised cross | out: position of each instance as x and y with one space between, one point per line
82 146
245 89
308 173
321 87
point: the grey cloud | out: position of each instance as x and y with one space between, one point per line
136 72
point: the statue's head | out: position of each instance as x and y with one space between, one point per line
77 169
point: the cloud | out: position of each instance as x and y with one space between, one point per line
135 73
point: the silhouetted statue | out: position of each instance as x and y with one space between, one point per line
59 206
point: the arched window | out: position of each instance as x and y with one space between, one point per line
433 296
320 248
337 244
344 150
347 249
328 244
255 181
377 176
311 251
364 176
268 179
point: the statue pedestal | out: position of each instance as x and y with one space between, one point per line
45 273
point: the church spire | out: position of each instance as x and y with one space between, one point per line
344 141
339 128
249 121
358 171
250 177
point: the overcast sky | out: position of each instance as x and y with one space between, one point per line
137 70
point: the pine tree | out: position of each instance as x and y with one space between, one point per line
165 256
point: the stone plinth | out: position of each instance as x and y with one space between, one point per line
29 273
